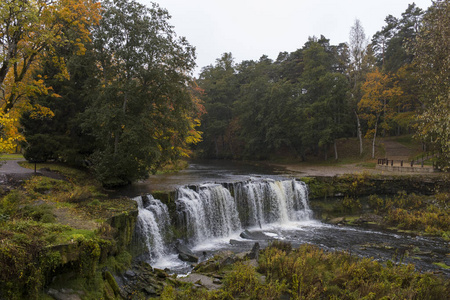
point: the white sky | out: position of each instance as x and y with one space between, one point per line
251 28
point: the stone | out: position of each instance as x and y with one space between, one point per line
59 295
185 254
254 253
150 290
130 274
337 221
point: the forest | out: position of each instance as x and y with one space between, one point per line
304 101
109 86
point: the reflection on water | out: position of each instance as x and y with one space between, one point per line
198 172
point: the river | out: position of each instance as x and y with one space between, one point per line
202 194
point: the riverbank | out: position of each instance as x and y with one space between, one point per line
84 237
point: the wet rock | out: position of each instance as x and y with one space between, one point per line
145 201
64 294
185 254
130 274
249 235
254 253
217 281
150 290
220 260
337 221
238 243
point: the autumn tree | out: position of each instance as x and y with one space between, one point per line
433 69
142 114
29 31
378 91
32 29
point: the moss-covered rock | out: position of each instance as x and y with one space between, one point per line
124 225
358 185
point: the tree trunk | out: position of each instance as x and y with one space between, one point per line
374 137
359 133
335 151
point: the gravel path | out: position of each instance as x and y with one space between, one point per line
12 167
305 170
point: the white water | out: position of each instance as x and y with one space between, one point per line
153 224
212 214
209 213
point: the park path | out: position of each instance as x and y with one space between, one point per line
396 151
12 167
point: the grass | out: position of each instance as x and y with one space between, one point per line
45 212
442 265
76 175
408 141
6 156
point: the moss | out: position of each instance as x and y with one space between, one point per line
112 282
358 185
108 292
442 265
124 225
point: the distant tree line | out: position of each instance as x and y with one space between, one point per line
303 101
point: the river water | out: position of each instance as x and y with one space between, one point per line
292 221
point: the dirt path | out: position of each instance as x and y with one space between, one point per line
396 151
304 170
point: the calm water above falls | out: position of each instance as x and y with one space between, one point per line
213 215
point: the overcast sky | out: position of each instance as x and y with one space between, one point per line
251 28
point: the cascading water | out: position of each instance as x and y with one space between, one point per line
153 226
210 212
217 211
268 201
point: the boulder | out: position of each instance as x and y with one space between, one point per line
256 235
254 253
185 254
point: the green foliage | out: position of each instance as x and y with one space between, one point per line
259 108
9 204
426 214
142 111
433 67
311 273
241 281
28 261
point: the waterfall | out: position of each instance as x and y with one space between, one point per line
153 226
211 211
268 201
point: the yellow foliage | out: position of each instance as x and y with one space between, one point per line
9 135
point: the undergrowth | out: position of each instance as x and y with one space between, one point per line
36 242
427 214
313 273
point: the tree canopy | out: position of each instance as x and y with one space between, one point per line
128 105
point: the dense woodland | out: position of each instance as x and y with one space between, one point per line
109 86
304 101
